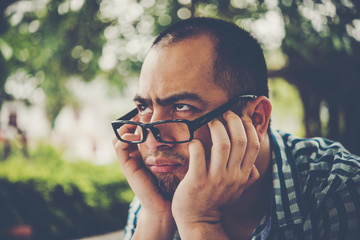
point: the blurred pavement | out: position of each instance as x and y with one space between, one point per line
109 236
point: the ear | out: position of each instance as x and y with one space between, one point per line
259 112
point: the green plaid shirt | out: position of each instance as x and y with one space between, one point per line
316 192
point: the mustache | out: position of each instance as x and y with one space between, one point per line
167 154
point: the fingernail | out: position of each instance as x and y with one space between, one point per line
212 121
226 113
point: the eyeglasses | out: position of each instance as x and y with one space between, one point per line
172 130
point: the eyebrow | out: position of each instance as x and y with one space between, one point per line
172 99
142 100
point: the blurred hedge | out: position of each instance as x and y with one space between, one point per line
61 199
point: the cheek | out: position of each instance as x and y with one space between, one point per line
143 150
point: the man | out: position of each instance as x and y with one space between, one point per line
200 157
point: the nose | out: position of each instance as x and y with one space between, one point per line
151 141
154 144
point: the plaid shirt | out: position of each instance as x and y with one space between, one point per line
316 192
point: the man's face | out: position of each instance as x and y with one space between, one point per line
176 82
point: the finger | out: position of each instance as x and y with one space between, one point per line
127 137
238 139
130 161
137 175
127 128
220 149
197 161
123 150
252 146
253 177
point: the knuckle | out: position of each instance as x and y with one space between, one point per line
238 180
201 184
254 145
117 145
233 181
224 145
219 182
240 141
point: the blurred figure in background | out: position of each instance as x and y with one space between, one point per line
13 134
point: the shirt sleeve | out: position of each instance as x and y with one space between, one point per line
339 207
131 223
339 215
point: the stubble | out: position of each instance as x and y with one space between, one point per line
166 183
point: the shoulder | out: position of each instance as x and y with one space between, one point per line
322 167
318 156
327 180
334 211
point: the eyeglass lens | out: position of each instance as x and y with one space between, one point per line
166 132
173 131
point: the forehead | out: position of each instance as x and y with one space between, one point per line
185 66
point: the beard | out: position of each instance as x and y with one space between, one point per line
166 183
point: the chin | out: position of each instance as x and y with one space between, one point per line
166 184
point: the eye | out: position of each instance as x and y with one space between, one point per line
182 107
144 109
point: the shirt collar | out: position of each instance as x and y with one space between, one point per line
286 192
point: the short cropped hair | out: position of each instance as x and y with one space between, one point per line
239 65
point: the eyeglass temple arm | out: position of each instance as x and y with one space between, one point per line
129 115
218 111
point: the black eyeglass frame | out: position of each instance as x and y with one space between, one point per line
192 125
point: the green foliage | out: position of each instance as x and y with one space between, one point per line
61 199
51 41
322 46
287 112
44 42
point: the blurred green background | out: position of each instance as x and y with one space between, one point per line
69 67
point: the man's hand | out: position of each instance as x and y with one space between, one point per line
208 188
156 221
